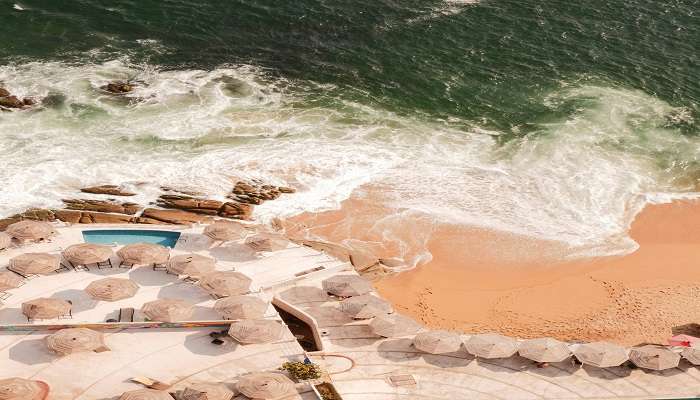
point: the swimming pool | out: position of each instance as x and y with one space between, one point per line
127 236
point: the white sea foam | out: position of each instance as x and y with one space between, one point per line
580 180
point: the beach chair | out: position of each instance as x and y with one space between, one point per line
105 264
62 268
126 315
159 267
124 265
4 295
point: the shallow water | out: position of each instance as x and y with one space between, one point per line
545 118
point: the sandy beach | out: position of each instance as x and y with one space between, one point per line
482 280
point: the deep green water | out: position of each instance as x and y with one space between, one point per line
490 62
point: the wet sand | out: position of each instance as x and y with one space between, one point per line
481 280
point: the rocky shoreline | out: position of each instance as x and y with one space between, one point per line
173 206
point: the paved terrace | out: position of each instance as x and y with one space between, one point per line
361 365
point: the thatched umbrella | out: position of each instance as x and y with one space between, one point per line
692 354
304 294
87 253
5 240
45 308
251 331
241 307
30 230
346 285
75 340
365 306
205 391
393 325
34 263
144 254
9 280
225 283
544 350
112 289
654 357
146 394
437 342
265 385
601 354
194 265
225 231
168 310
491 345
267 242
22 389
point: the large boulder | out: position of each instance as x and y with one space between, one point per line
90 217
190 203
11 102
4 92
102 206
113 190
180 217
256 193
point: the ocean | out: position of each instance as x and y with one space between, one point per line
554 119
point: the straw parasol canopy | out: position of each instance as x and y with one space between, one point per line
601 354
168 310
267 242
34 263
265 385
30 230
144 254
304 294
225 231
191 265
241 307
75 340
5 240
146 394
346 285
437 342
365 306
22 389
654 357
692 354
9 280
251 331
205 391
45 308
225 283
112 289
87 253
683 340
491 345
544 350
393 325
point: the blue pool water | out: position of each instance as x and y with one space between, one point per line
125 236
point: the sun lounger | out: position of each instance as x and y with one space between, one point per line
126 315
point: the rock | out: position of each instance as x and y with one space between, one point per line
118 87
4 92
236 210
90 217
362 260
284 189
188 203
174 216
255 193
28 101
102 206
113 190
37 214
336 250
11 102
393 262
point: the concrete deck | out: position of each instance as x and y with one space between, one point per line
360 364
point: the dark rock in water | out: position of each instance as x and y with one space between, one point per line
102 206
28 101
256 193
11 102
54 100
181 191
4 92
118 87
113 190
205 206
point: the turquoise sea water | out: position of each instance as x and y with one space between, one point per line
554 119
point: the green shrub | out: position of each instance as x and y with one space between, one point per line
300 371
